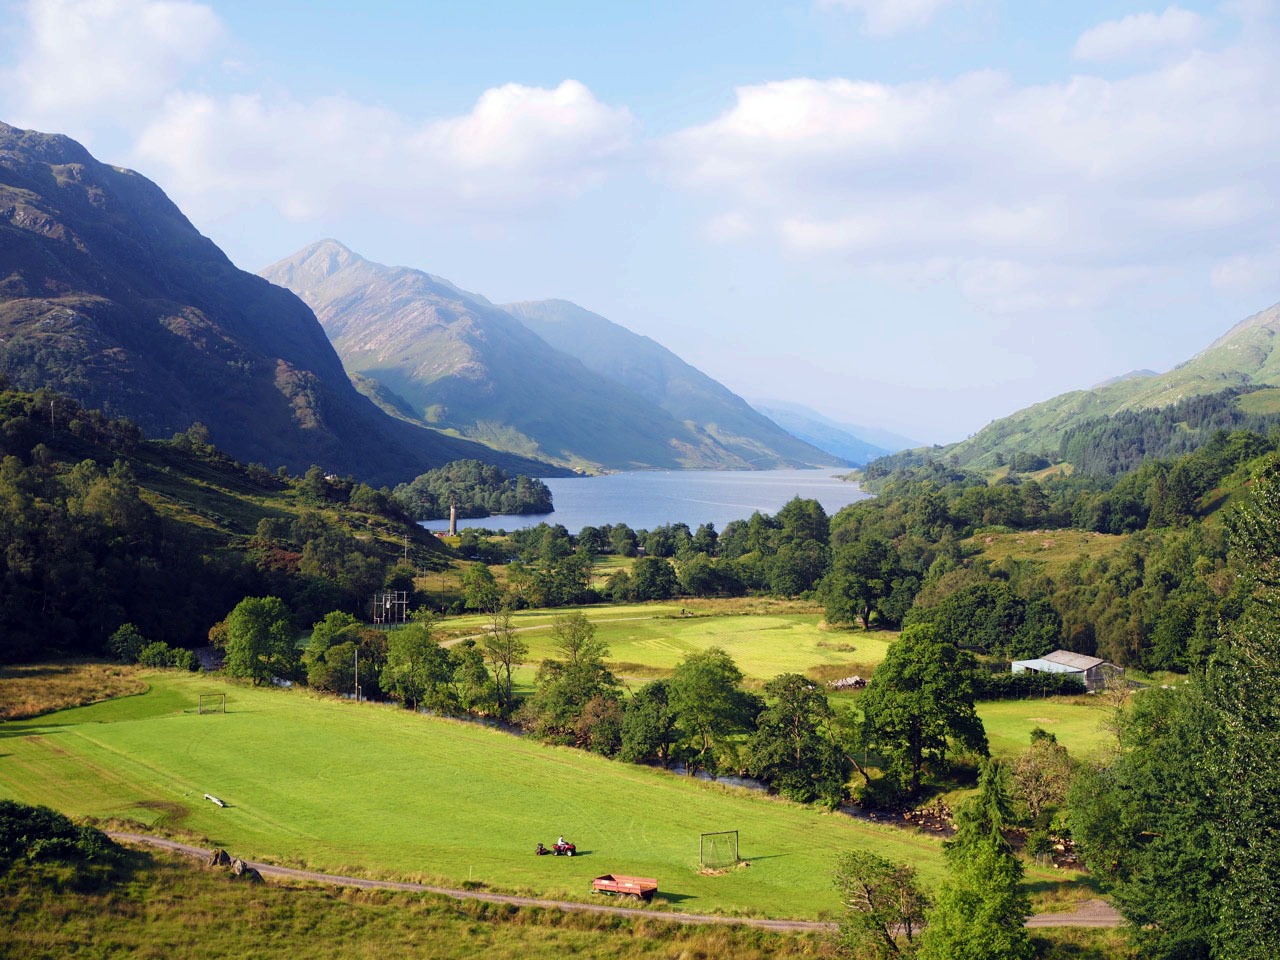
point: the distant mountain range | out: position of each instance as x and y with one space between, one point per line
857 444
547 380
1244 356
110 295
655 373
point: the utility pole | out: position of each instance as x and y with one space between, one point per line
357 674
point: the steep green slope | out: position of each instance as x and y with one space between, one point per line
655 373
110 295
1245 356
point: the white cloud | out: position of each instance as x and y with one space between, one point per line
1248 274
885 17
79 58
518 148
1068 192
1141 34
139 70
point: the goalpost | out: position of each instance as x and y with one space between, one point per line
211 703
717 850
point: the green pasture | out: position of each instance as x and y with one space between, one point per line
373 789
1053 548
649 640
1079 723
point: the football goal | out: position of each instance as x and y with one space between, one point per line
718 850
211 703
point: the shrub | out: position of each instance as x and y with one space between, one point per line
38 833
1021 686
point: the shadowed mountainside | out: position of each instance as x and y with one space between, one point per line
110 295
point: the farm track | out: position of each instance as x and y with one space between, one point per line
1094 913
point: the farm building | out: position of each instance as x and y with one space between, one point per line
1095 672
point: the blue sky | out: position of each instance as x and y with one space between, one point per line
916 214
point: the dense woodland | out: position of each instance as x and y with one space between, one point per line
476 489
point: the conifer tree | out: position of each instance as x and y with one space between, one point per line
980 911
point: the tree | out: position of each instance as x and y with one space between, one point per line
480 589
1245 693
260 640
883 906
567 685
862 573
649 730
1146 819
793 748
653 578
419 671
1041 776
708 704
981 911
504 651
331 652
126 643
921 697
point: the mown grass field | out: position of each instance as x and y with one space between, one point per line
648 640
1079 723
371 789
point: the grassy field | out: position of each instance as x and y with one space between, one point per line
164 908
374 789
1053 548
1077 722
648 640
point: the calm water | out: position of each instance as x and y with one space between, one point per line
648 499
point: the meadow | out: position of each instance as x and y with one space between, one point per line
371 789
648 640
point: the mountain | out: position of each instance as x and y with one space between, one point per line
1245 356
857 444
424 348
655 373
110 295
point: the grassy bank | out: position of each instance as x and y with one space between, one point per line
166 908
373 789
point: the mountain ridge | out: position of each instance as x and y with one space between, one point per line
1244 356
420 344
109 294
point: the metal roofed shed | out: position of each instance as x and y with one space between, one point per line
1096 672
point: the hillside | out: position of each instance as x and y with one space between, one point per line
104 528
853 443
651 370
425 349
1245 356
109 295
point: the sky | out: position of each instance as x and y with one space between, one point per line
919 215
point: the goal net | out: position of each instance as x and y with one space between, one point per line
211 703
719 849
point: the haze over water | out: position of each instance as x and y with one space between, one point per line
648 499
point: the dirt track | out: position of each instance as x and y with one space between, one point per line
1095 913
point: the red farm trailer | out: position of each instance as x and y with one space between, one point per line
616 885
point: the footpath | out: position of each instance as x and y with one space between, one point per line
1094 913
